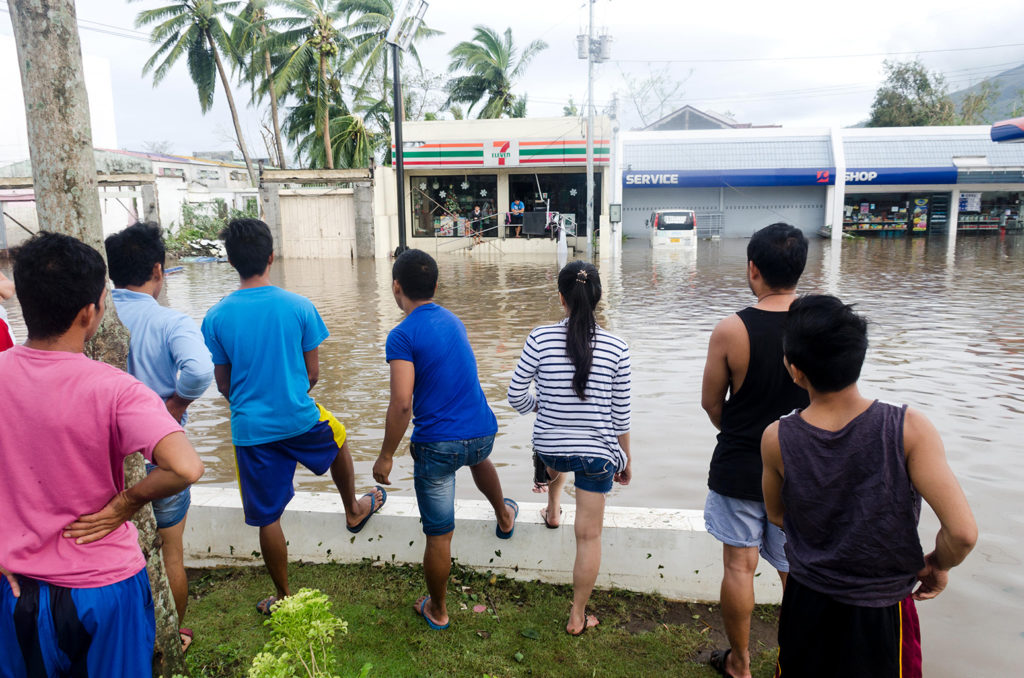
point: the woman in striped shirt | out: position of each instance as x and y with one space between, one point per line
582 382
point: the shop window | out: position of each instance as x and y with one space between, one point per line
989 211
565 193
209 175
444 206
172 172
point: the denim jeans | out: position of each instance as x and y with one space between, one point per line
434 478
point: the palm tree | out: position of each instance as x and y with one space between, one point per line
313 39
352 144
369 21
251 40
192 28
494 64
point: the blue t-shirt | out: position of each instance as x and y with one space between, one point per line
447 400
263 332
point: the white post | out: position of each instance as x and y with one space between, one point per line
590 133
839 192
954 215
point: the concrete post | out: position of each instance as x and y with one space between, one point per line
365 242
150 205
954 215
839 192
270 197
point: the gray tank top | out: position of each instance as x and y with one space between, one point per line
851 512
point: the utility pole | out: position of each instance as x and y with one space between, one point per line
594 51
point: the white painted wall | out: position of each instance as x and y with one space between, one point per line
14 139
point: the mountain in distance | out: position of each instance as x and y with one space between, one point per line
1011 91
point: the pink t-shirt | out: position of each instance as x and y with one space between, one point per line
66 425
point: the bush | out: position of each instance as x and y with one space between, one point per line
205 221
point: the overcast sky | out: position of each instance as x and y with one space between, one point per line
764 62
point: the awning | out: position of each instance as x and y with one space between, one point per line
1008 131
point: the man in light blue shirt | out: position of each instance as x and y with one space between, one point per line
166 353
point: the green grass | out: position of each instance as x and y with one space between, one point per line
639 635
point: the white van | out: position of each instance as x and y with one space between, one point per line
673 228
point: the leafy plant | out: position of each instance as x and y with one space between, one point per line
303 631
205 221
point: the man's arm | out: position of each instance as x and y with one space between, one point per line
773 473
403 378
931 475
178 466
194 366
715 385
312 359
222 375
6 288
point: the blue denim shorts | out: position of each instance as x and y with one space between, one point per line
744 523
171 510
593 474
434 478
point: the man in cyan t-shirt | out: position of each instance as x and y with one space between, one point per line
434 381
264 341
75 600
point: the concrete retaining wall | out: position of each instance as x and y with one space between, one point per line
665 551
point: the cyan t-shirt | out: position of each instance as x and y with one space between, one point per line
447 400
263 332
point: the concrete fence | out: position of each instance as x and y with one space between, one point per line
664 551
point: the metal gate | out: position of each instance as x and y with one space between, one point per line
318 223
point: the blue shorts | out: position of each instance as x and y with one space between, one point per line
55 631
434 470
593 474
171 510
266 472
744 523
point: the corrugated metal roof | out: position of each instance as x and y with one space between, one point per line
928 151
728 153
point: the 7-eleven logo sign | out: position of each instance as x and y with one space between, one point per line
501 154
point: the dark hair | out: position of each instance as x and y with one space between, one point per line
56 276
132 253
826 340
416 272
780 253
580 286
249 245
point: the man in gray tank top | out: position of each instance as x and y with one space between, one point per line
746 388
845 478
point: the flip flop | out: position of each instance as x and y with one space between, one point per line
264 605
586 625
717 662
431 623
544 515
497 528
374 507
187 633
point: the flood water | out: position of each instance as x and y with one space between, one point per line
947 336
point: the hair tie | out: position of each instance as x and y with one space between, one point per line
581 276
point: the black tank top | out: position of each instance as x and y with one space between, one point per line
767 393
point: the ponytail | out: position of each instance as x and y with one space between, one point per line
580 286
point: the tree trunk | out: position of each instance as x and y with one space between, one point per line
328 150
234 113
273 103
64 173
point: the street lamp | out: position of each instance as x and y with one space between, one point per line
408 18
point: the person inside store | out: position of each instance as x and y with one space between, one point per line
516 210
476 224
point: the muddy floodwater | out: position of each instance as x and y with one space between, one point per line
947 336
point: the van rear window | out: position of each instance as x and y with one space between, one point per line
675 221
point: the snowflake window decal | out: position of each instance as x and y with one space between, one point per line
465 185
483 192
423 186
443 194
572 192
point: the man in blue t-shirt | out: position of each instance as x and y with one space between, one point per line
264 342
434 380
516 210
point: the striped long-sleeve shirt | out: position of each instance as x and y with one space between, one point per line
566 425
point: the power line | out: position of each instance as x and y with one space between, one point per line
814 57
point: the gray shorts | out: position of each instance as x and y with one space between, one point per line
744 523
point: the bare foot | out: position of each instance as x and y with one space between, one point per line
576 628
551 523
364 504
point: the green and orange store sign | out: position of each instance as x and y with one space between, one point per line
499 153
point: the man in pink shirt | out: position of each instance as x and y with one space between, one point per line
75 598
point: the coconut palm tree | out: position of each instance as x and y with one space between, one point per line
251 37
352 144
192 28
310 37
493 64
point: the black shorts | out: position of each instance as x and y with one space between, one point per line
819 636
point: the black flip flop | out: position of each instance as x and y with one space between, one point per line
586 618
717 661
549 525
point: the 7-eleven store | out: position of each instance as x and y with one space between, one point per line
452 167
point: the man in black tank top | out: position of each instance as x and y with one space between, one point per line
746 388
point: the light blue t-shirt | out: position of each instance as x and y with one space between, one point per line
447 400
166 351
263 332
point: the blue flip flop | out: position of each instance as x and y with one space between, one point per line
497 528
374 507
432 624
